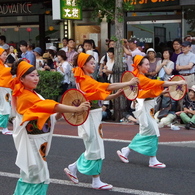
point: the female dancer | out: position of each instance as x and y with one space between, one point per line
5 98
146 141
33 126
90 162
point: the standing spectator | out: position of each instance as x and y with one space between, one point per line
190 39
3 41
177 51
30 56
11 57
88 45
185 64
64 68
71 51
188 113
108 68
153 60
165 66
48 62
5 97
131 50
65 44
39 58
105 57
79 48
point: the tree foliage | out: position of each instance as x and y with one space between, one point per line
105 8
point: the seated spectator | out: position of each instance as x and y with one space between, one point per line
153 60
165 109
128 115
187 115
165 66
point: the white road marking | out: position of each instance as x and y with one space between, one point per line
87 185
126 141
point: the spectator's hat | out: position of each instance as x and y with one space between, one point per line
192 88
53 48
150 50
5 46
46 56
38 50
186 43
134 40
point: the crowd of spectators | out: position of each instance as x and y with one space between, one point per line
175 58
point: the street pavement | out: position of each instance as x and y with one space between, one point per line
176 150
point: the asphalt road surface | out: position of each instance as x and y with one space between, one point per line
132 178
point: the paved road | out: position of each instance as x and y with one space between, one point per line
133 178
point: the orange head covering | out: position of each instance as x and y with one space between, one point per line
78 72
137 60
1 50
22 68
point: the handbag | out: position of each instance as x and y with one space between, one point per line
163 113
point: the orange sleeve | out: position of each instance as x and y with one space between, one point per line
32 107
149 88
94 90
6 78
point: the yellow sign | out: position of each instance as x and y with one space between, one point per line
151 3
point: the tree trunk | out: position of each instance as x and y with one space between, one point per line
119 103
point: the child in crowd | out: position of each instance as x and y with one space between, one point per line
188 113
33 126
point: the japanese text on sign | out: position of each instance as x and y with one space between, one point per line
70 10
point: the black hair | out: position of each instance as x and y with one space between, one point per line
62 54
15 65
93 43
70 40
87 41
2 37
24 43
111 50
169 50
178 40
65 38
75 59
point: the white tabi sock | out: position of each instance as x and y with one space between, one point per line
73 168
125 151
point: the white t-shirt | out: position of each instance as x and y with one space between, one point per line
162 73
67 72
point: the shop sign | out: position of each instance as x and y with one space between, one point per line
141 4
70 10
26 8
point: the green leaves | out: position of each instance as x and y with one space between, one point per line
49 84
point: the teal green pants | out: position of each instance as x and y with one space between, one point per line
186 119
146 145
23 188
89 167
